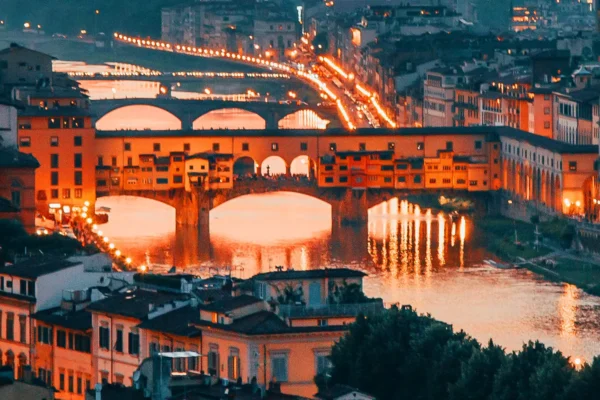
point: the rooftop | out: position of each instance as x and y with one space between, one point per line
12 158
335 392
67 111
77 320
309 274
36 267
177 322
231 303
135 302
15 48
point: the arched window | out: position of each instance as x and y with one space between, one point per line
22 364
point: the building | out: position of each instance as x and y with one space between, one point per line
275 35
17 187
56 128
541 111
342 392
29 287
576 115
20 66
27 388
8 122
117 350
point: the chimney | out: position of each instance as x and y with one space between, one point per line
98 388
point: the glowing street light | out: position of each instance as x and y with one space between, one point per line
207 91
105 239
100 233
118 253
89 220
27 25
128 260
111 246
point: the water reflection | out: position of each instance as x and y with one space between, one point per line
413 256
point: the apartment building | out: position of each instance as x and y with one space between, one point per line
17 187
576 115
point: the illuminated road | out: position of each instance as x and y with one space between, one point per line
348 116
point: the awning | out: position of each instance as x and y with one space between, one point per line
179 354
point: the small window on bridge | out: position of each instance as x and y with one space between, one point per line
162 181
420 146
391 145
362 146
53 123
156 146
402 166
332 147
245 147
417 179
343 179
274 146
127 146
303 146
329 179
186 147
401 179
216 147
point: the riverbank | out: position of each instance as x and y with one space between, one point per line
512 241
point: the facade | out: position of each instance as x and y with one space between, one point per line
274 36
574 114
17 187
8 123
56 128
20 66
541 112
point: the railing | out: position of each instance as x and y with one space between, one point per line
329 310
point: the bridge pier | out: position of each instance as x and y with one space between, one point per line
351 209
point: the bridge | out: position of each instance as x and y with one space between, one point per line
188 111
188 76
348 206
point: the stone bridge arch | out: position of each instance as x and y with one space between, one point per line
163 119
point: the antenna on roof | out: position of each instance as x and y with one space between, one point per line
279 268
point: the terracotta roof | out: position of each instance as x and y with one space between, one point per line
36 267
77 320
231 303
135 302
309 274
12 158
177 322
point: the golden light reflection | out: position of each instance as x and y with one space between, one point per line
463 234
453 234
567 310
441 238
428 261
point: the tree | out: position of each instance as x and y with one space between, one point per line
477 374
536 372
347 293
585 385
291 296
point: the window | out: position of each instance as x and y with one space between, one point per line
387 167
156 146
53 160
53 123
23 287
343 179
193 361
16 198
82 343
391 145
460 181
546 110
54 179
332 147
472 183
54 193
129 161
420 146
61 381
79 385
303 146
10 325
61 338
78 178
77 141
322 363
23 328
213 360
113 161
78 160
401 179
216 147
186 147
362 146
572 165
104 337
478 145
432 180
78 193
329 179
546 124
25 141
279 367
54 141
245 146
70 383
162 181
417 179
449 146
153 348
127 146
274 146
343 168
77 123
119 341
446 181
66 193
233 364
134 343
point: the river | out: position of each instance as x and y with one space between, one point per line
417 258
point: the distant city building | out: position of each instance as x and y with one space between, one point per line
20 66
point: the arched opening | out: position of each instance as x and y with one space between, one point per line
273 166
244 167
137 225
10 360
303 119
230 118
22 364
138 117
557 194
302 165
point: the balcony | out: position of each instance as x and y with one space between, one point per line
330 310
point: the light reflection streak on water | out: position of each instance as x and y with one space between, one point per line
463 234
428 262
567 310
453 234
441 238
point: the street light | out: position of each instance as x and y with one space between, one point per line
27 25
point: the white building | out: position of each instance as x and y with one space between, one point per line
8 123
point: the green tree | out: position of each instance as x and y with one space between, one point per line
536 372
477 374
585 385
347 293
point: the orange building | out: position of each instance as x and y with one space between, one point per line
541 112
17 187
56 128
63 356
466 107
